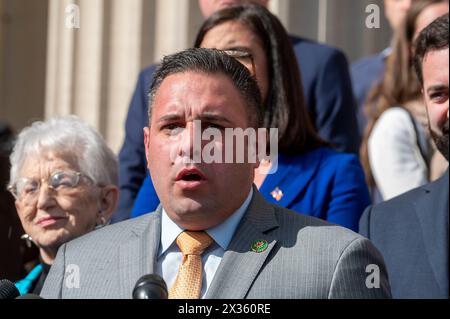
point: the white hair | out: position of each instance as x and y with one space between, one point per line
67 135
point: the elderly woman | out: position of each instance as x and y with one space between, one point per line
64 179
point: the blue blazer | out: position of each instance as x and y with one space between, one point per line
328 92
321 183
411 232
365 73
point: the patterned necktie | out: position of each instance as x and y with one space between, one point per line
188 283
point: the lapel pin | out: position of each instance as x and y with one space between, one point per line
277 194
260 246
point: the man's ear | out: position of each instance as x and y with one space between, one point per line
258 159
262 142
108 201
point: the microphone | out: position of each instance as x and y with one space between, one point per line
30 296
150 287
8 290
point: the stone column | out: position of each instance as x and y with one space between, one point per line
91 70
23 27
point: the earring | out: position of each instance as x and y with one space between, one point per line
28 240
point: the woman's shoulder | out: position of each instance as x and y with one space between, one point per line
394 126
394 117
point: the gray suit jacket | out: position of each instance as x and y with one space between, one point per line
306 258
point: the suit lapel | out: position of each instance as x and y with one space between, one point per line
432 212
137 255
240 265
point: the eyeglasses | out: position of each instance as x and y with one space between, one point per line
244 57
27 189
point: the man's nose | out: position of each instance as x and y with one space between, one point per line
190 137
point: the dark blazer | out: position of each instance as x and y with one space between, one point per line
321 183
328 91
411 232
365 73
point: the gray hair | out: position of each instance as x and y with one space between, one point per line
67 135
211 61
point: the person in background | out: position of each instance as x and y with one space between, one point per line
64 179
397 152
367 72
326 86
411 230
16 257
311 178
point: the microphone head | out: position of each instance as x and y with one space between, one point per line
8 290
30 296
150 287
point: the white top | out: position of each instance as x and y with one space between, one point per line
394 155
169 256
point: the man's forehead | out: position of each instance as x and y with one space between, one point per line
435 67
195 81
197 92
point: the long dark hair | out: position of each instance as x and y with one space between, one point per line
285 106
400 84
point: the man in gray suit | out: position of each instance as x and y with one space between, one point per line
249 248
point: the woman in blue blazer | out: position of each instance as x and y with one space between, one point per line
311 178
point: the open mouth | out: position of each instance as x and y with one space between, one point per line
191 177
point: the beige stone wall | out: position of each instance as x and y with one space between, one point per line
49 69
23 34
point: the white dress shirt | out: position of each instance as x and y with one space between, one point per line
169 255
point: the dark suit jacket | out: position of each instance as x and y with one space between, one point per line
411 232
365 73
328 91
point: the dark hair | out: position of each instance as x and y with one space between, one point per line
211 62
6 138
433 38
285 106
400 84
